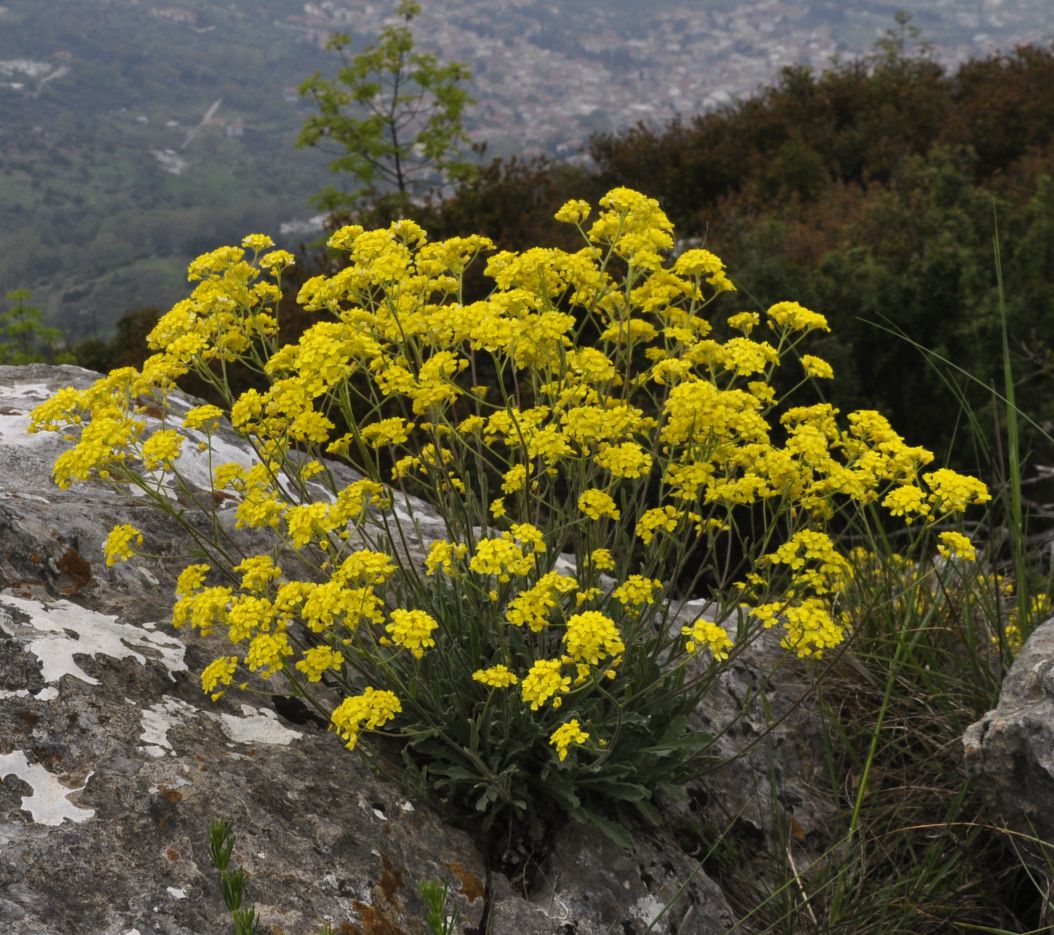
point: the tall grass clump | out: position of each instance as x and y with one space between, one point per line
598 441
914 848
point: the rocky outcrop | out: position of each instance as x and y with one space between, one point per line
113 764
1010 751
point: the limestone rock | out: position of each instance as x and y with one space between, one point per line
770 744
1010 751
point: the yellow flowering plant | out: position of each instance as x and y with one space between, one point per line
595 456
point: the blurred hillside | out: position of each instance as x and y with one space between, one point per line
136 133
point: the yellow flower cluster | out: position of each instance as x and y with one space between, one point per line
588 389
637 590
533 606
542 682
567 734
119 545
708 635
372 709
412 630
596 504
591 637
956 545
496 677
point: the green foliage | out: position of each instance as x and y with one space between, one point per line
24 338
232 882
93 224
435 896
124 349
393 116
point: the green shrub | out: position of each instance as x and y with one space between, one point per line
24 338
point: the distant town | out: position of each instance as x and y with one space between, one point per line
547 74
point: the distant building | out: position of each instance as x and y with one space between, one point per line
177 15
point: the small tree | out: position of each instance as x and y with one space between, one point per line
24 338
393 118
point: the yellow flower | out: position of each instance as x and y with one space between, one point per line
602 559
625 460
952 492
205 417
740 355
318 660
412 629
326 604
246 615
530 536
532 607
709 635
219 672
567 734
816 566
267 652
501 557
592 636
203 610
191 579
744 321
956 545
587 595
702 263
495 677
119 543
810 628
306 523
392 431
908 501
366 567
659 519
573 212
258 571
817 367
794 317
257 242
372 709
276 261
515 479
443 555
637 590
542 682
596 504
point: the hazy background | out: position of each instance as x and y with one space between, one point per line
112 178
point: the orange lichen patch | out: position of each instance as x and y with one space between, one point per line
471 886
172 795
374 922
76 567
391 879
